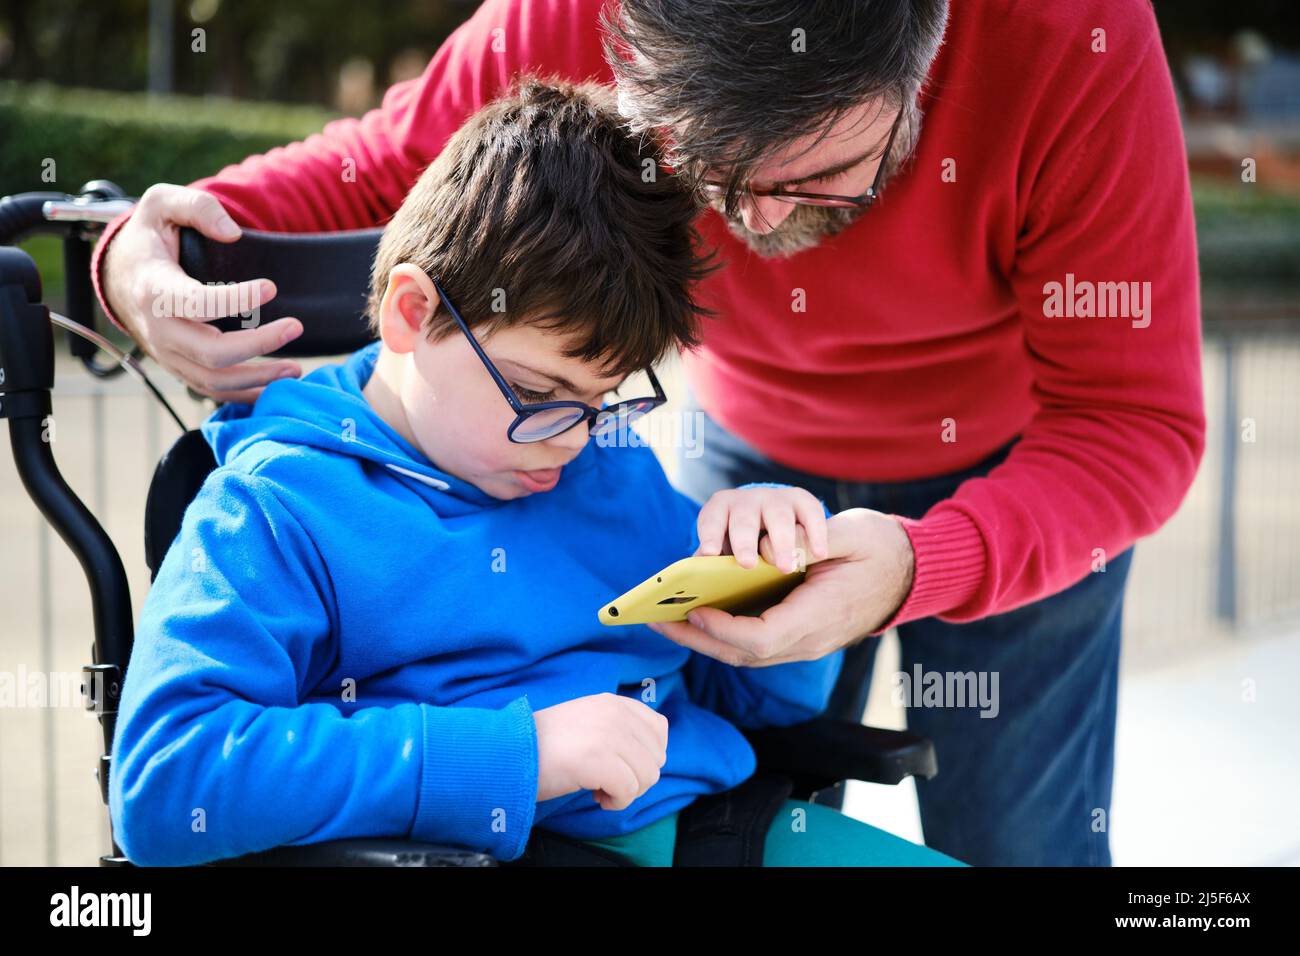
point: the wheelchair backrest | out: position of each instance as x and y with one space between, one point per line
322 279
176 480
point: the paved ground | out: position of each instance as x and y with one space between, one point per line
1204 775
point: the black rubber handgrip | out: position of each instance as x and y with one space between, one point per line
21 217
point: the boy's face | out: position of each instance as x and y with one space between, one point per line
441 398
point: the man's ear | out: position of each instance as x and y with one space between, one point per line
409 301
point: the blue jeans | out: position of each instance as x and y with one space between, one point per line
1031 784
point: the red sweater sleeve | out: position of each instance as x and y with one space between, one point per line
1104 197
356 172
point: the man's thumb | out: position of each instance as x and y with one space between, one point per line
208 216
847 532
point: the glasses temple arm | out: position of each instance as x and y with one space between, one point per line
497 377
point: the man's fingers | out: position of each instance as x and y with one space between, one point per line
236 378
201 210
247 396
797 615
210 361
166 204
756 638
209 347
739 640
167 292
693 638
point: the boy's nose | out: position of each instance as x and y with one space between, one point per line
572 440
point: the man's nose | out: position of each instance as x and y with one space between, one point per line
762 214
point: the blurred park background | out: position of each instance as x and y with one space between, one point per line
1208 771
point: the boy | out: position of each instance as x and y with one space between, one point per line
379 616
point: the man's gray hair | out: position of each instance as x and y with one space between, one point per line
728 82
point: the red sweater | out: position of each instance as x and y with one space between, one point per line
930 334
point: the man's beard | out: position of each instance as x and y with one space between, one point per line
805 227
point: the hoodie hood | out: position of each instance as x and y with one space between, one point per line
326 410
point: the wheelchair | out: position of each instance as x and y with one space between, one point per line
322 279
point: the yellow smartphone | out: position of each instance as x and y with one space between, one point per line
704 581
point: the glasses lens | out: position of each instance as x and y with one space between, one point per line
547 423
617 417
713 191
606 422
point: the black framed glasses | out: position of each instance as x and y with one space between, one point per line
718 191
542 420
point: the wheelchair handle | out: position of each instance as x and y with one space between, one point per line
77 220
81 211
50 213
22 215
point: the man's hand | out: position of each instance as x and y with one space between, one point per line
148 292
865 579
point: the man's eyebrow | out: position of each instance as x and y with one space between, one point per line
835 170
825 173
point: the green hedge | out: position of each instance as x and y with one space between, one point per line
1246 233
134 139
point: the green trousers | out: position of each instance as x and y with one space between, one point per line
801 834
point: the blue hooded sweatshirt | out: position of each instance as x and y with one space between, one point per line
345 641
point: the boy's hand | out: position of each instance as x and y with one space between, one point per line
792 520
606 743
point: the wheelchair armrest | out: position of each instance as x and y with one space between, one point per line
819 753
363 852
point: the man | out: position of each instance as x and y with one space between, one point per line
992 372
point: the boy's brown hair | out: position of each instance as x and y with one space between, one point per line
543 205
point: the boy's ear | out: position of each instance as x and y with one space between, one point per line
409 301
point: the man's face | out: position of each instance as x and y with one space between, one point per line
843 163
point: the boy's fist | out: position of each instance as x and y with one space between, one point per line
791 520
606 743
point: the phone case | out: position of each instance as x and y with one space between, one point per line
704 581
